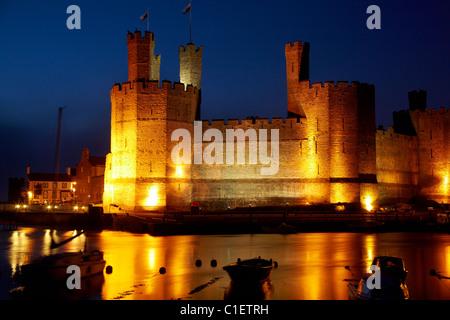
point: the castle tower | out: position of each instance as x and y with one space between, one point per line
340 132
191 65
140 173
433 136
142 63
297 69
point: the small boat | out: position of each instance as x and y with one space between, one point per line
392 282
282 228
54 267
443 217
249 271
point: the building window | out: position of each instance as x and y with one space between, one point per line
55 185
54 195
36 184
65 196
45 195
64 185
45 185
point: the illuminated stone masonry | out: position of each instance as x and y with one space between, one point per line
326 151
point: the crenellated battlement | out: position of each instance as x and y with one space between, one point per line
294 46
137 37
256 123
390 133
153 87
434 111
338 84
191 49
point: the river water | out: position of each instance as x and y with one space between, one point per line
311 266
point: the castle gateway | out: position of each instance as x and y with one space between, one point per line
327 150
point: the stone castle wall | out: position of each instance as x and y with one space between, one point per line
329 148
397 166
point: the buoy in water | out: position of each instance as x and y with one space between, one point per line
213 263
109 269
198 263
162 270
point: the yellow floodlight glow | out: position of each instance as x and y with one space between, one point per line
30 194
368 203
152 200
179 172
445 185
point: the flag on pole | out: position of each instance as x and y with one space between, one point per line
144 16
187 9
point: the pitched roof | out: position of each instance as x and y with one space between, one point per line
36 176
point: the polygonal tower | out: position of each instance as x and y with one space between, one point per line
139 171
191 65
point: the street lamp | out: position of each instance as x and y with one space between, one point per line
285 213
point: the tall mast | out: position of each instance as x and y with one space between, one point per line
58 141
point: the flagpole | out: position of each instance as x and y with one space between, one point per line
190 22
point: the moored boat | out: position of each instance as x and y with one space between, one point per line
443 218
249 271
282 228
55 267
392 282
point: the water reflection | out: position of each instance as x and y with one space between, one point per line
310 266
27 244
258 291
91 288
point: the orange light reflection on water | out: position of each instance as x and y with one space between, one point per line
136 262
310 265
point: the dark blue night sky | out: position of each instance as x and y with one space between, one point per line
44 65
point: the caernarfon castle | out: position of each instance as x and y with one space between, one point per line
329 148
